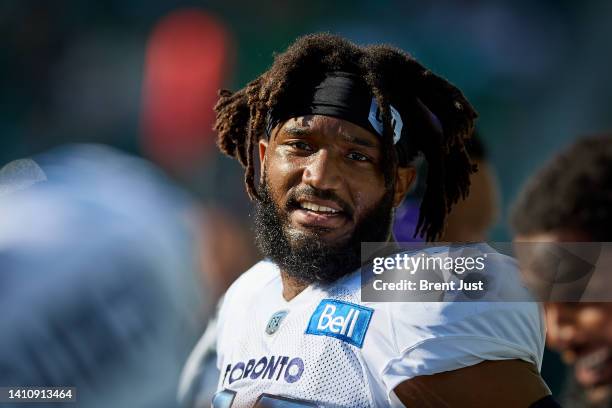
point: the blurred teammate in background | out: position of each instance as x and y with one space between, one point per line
98 278
471 218
570 200
336 127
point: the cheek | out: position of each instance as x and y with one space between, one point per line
281 176
367 195
606 327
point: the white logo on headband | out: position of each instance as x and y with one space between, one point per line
376 120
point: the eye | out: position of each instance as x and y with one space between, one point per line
301 146
358 156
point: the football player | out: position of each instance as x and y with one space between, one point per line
336 126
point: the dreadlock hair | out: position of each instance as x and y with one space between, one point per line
392 77
573 191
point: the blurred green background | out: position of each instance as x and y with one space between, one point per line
72 71
142 75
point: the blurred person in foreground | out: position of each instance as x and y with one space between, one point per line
570 200
98 286
336 127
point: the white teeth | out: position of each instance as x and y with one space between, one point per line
318 208
594 359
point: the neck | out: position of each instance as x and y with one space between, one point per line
291 286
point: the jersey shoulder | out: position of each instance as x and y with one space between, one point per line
248 288
412 338
496 316
253 281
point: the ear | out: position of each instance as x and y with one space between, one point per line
263 146
404 177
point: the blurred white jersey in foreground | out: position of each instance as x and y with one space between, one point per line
98 285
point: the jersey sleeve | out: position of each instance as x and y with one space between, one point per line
198 380
410 339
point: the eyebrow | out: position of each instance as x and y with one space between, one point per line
359 141
305 131
297 130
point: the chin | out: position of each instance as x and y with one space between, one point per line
593 369
599 395
326 235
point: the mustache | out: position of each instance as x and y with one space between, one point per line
309 192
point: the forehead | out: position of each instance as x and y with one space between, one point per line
329 127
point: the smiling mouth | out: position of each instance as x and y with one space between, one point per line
320 215
321 209
594 359
594 367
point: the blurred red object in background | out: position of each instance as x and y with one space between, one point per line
186 60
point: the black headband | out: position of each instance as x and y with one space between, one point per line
345 96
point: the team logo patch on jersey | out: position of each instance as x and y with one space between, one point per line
275 321
345 321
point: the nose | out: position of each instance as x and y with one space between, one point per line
322 171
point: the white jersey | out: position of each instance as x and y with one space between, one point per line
327 348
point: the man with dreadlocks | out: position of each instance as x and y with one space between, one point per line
336 126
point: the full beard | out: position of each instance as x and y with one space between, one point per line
306 256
